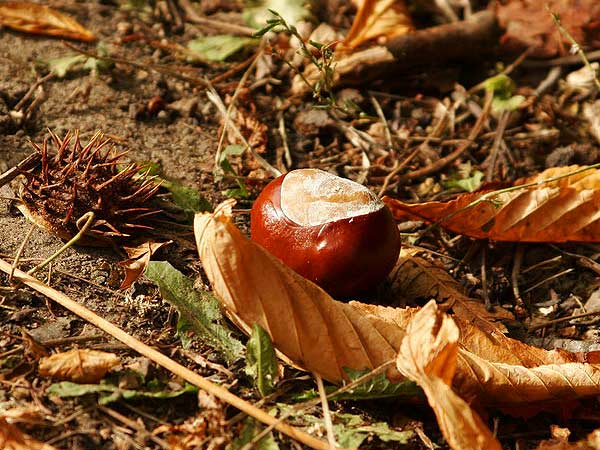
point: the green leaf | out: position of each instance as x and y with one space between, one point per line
231 150
469 184
508 104
351 429
257 13
251 429
261 362
110 393
62 65
220 47
199 309
502 87
188 199
376 387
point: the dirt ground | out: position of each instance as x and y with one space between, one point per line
182 140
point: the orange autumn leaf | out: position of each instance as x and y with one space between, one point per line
81 366
378 19
138 260
314 332
428 357
11 438
558 205
39 19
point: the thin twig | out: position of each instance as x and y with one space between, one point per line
575 45
214 97
546 280
162 69
298 409
141 430
514 276
443 162
32 89
502 123
229 28
484 284
15 262
564 319
386 127
162 359
28 163
326 412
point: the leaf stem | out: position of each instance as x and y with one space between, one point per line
89 219
575 45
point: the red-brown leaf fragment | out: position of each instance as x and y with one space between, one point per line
529 24
138 260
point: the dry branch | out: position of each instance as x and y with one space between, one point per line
161 359
466 40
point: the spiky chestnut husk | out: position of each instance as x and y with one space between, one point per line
72 179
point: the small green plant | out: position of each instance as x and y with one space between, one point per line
502 87
321 56
233 150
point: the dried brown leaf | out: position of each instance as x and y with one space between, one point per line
317 333
39 19
591 442
564 209
11 438
417 278
428 356
138 260
500 384
81 366
376 19
529 25
311 329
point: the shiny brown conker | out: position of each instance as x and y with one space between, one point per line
331 230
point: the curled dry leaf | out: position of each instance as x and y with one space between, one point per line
11 438
39 19
496 370
378 19
416 278
319 334
500 384
138 260
558 205
428 356
591 442
311 329
81 366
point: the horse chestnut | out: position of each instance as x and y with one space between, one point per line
330 230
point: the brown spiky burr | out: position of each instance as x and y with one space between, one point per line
72 179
